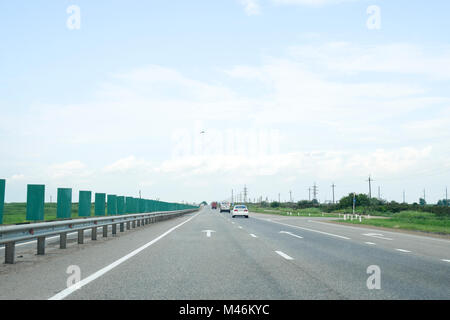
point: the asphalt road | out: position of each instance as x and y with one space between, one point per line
262 257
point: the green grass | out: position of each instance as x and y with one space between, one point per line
410 220
406 220
309 212
16 212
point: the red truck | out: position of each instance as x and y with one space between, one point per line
214 205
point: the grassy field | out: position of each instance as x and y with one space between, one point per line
16 212
406 220
410 220
309 212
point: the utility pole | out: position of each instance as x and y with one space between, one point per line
279 199
309 190
139 194
404 196
379 193
245 193
332 186
290 195
354 202
232 196
370 187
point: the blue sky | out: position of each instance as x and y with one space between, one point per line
123 98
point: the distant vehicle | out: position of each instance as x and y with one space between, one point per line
240 210
213 205
225 207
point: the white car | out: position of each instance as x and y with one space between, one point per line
225 206
240 210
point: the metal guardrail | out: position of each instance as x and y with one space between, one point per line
10 235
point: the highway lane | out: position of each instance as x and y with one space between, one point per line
241 259
40 277
342 261
427 246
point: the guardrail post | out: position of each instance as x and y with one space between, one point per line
133 224
94 233
105 231
128 225
63 240
10 252
114 229
138 222
80 236
122 227
41 246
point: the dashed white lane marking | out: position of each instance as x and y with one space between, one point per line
312 230
291 234
240 227
284 255
370 243
403 250
253 235
66 292
445 260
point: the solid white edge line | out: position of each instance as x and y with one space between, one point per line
66 292
312 230
284 255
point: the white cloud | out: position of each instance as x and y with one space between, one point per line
251 7
128 164
358 105
314 3
68 169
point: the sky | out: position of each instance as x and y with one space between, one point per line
189 100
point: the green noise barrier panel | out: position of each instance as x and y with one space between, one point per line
35 202
64 203
129 205
85 203
112 205
2 198
100 202
120 205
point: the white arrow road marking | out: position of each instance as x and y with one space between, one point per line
376 235
403 250
284 255
291 234
208 232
